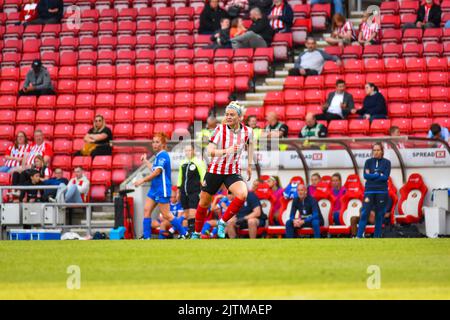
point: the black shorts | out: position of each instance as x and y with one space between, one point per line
213 182
190 200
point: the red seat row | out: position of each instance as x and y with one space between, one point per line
83 118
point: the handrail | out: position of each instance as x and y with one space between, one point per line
88 207
39 187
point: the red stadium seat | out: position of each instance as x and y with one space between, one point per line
403 124
81 129
123 130
397 94
399 110
420 109
9 116
412 196
314 82
143 130
380 126
338 127
62 162
163 114
418 94
123 115
421 124
440 109
417 78
295 126
101 177
98 192
358 126
293 96
102 162
62 146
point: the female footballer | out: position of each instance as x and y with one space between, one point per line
376 172
225 148
161 187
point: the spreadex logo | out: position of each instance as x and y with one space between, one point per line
439 154
315 156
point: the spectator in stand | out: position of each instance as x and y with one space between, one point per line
281 16
428 16
57 180
205 134
37 81
252 122
236 7
369 32
16 153
259 35
394 131
311 61
338 192
338 5
39 148
438 132
343 32
24 177
313 182
31 195
97 140
77 189
374 104
339 104
249 217
275 184
210 17
49 12
274 128
237 28
312 128
221 39
305 213
28 11
263 5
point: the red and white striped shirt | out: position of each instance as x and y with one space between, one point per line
224 138
427 12
348 26
44 149
368 30
16 153
277 24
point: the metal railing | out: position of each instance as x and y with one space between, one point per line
38 187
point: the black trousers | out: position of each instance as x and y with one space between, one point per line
309 72
328 116
98 151
39 92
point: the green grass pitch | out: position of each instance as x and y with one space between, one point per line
226 269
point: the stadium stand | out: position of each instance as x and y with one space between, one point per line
140 65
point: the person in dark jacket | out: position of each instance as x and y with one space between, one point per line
376 172
281 16
374 104
210 17
308 216
428 16
33 195
57 180
339 104
312 60
190 176
37 81
221 39
49 12
263 5
259 35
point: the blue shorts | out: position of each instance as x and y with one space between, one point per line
158 197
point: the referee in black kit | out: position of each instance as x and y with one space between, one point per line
190 176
